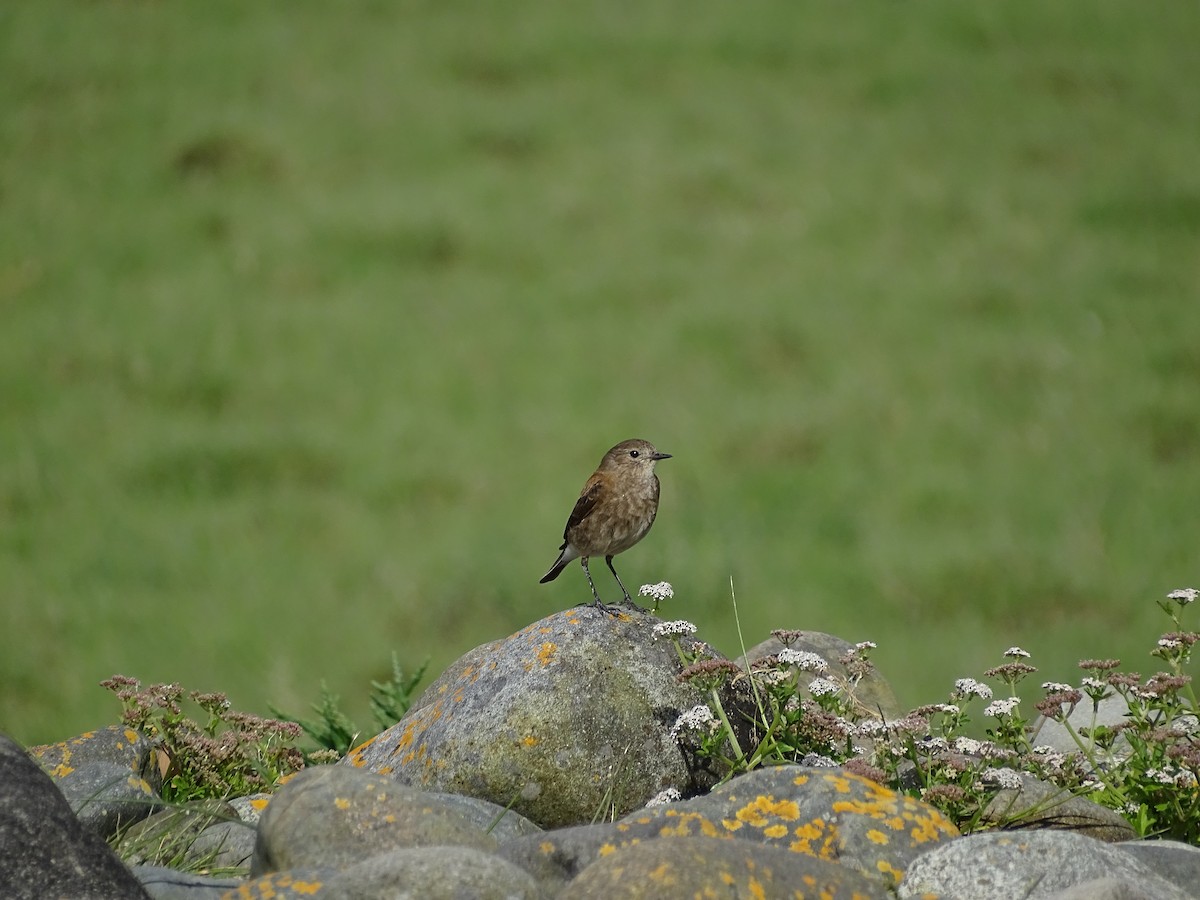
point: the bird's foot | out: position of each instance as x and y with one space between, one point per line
629 602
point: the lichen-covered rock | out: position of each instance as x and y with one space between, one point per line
709 867
45 850
565 720
111 777
333 817
433 873
829 814
294 884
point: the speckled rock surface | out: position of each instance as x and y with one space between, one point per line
335 817
710 867
44 849
433 873
567 717
828 814
109 776
1029 864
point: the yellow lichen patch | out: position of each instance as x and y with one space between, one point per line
62 770
775 831
529 740
727 878
341 803
547 847
547 652
664 874
930 826
756 888
259 803
808 834
886 869
759 811
840 783
875 836
131 735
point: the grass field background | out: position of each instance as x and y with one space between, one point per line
315 317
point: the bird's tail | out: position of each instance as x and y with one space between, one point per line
565 556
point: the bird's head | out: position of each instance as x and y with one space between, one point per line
634 455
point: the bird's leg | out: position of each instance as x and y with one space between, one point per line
628 599
611 610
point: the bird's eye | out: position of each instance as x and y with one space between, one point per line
634 454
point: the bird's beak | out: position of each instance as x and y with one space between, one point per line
658 456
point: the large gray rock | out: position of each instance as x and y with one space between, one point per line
1031 865
332 817
433 873
711 867
44 850
1039 804
567 720
110 776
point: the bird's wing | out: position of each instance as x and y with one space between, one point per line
592 491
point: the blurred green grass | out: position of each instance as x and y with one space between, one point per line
316 317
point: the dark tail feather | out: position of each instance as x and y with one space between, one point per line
555 570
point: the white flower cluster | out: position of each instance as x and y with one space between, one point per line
661 591
1016 653
1184 596
1056 686
998 708
803 660
698 718
669 795
1051 758
865 645
1003 777
821 687
1172 776
969 687
679 627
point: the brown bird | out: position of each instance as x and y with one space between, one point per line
614 511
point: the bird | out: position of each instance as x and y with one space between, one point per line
614 511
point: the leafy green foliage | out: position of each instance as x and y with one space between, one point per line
389 700
228 754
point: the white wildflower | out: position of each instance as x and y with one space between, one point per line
870 728
1016 653
865 645
657 592
1004 777
698 718
669 795
998 708
1169 643
677 628
967 745
821 687
1056 686
969 687
1184 596
803 660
